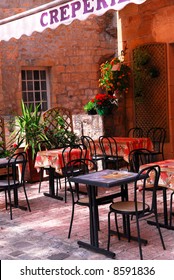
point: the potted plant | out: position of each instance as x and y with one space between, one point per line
90 108
29 135
104 103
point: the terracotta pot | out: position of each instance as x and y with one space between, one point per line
31 174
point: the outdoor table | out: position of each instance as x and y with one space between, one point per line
166 180
53 160
127 144
106 179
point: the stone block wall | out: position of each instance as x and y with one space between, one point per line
72 54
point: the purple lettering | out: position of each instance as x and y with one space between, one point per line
87 7
42 19
75 7
113 2
63 11
54 16
121 1
101 3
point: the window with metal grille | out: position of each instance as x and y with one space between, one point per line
35 88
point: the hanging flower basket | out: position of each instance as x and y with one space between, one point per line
115 75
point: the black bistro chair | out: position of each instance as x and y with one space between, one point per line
157 136
67 156
110 151
135 132
14 181
140 157
140 206
89 143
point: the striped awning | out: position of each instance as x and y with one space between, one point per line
55 13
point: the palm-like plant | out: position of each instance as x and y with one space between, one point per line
29 129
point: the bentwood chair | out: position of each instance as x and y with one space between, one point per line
140 206
70 153
140 157
14 181
89 143
110 151
79 167
135 132
158 136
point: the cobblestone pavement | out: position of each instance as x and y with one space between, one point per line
42 233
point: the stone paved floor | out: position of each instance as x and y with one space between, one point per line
42 233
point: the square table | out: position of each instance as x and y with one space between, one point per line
107 179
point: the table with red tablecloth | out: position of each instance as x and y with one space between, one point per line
127 144
53 159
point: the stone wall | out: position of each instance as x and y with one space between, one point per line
72 54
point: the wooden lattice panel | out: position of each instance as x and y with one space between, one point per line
151 108
2 134
50 117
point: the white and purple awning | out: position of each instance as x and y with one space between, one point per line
55 13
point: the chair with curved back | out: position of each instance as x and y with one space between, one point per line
70 153
135 132
89 143
110 151
140 206
14 181
138 157
157 136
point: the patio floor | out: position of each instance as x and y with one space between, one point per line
42 233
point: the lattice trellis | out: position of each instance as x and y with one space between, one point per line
50 117
2 134
151 108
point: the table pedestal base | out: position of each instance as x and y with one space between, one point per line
162 225
54 196
96 249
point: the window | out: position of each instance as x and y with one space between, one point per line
35 88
